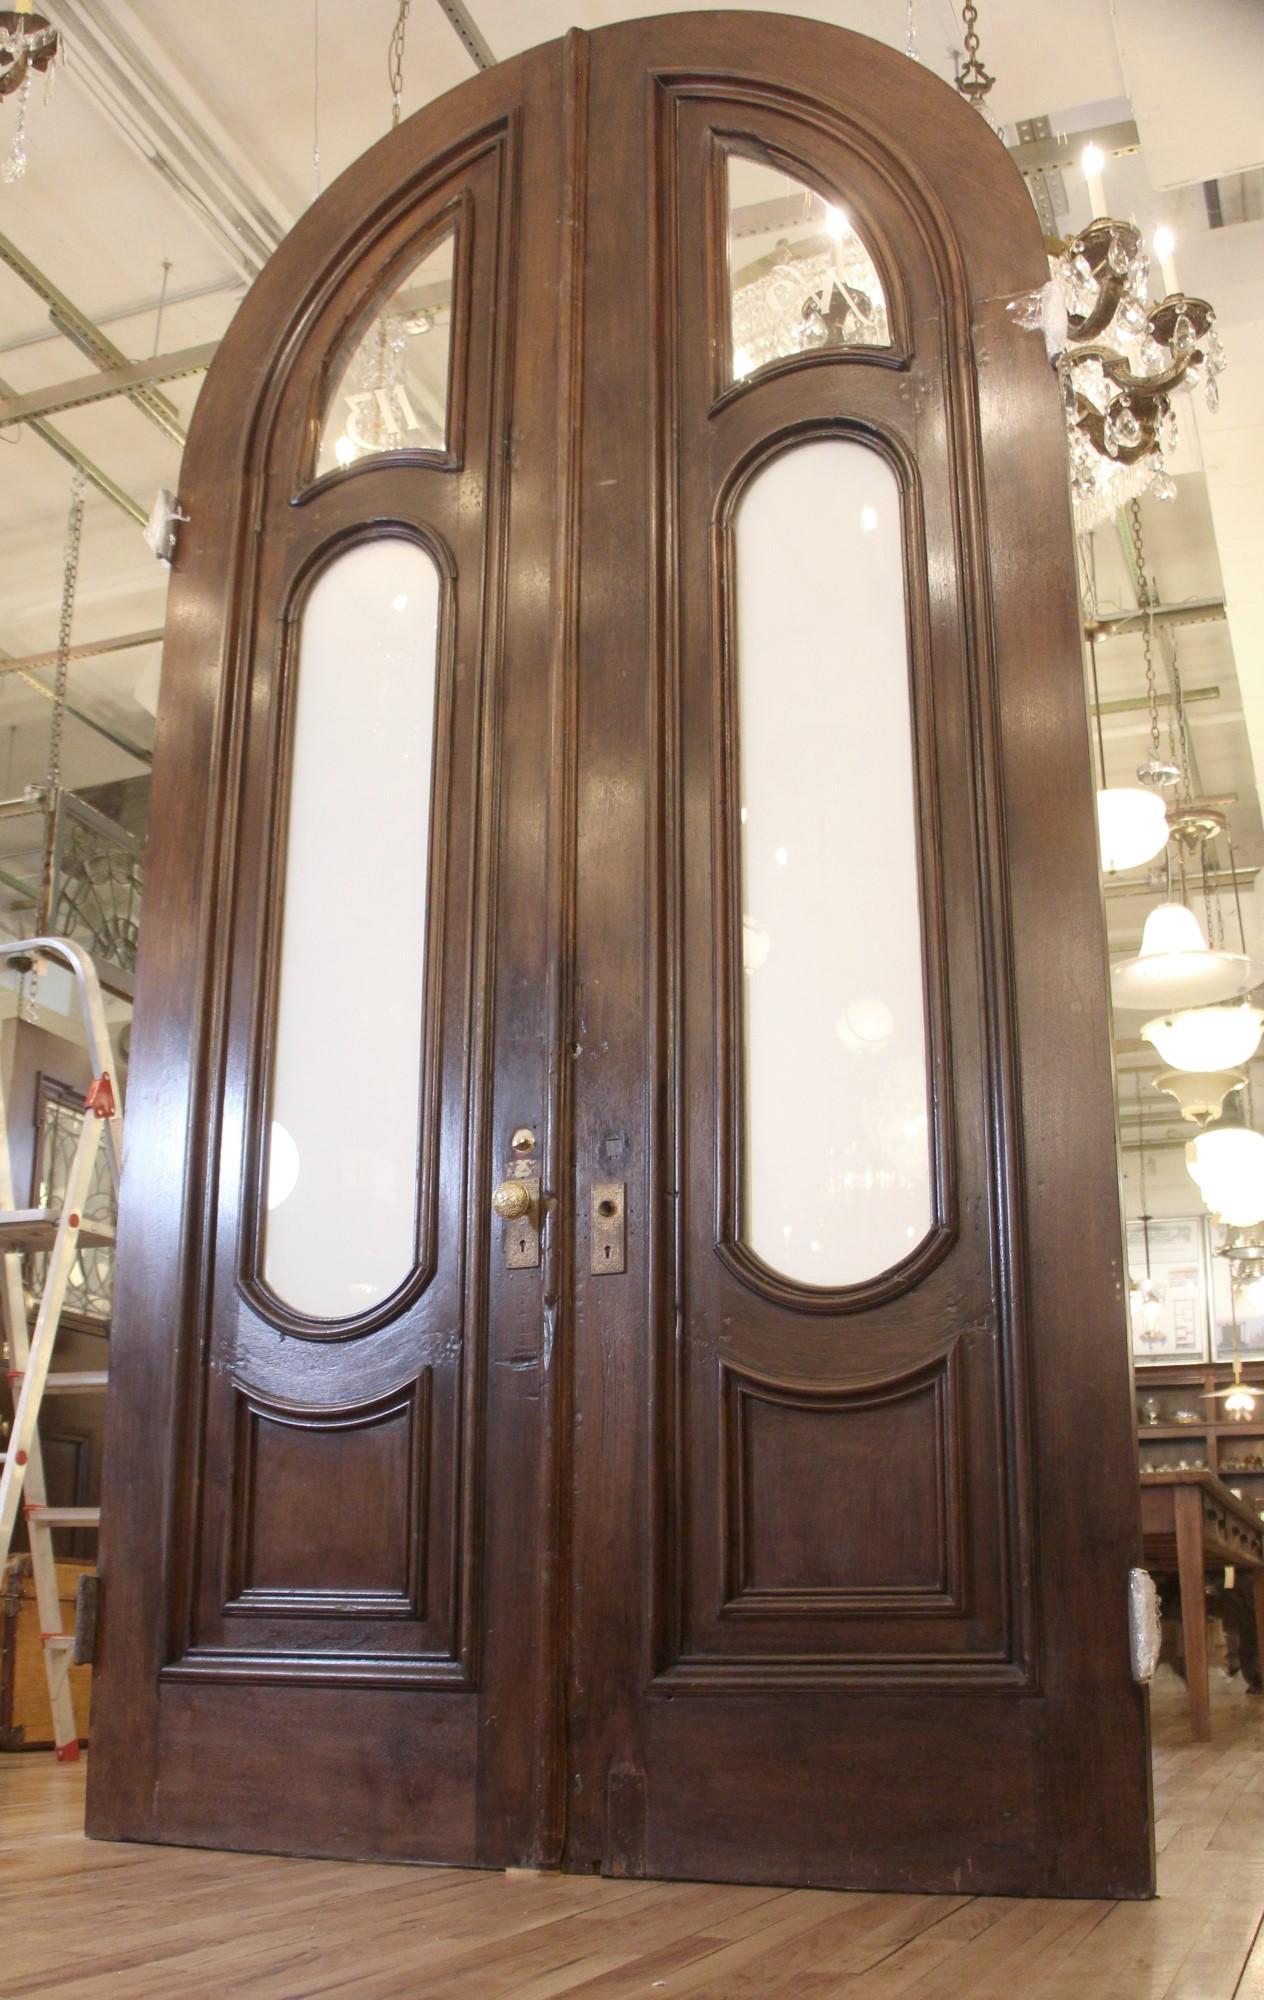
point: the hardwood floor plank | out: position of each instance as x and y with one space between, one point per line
87 1920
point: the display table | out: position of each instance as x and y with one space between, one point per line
1190 1523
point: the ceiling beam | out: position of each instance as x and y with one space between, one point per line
469 34
90 340
62 445
1197 611
126 73
108 382
92 649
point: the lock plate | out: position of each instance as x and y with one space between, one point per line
608 1234
521 1235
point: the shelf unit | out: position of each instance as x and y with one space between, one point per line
1231 1448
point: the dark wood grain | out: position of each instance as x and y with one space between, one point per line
689 1569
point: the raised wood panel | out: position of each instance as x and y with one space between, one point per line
330 1509
878 1524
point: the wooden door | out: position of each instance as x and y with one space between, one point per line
776 1525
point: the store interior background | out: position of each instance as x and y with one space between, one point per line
180 144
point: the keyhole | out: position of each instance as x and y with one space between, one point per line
522 1246
607 1253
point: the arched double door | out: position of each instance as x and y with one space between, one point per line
618 1356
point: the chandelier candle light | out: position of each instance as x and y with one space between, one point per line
28 43
1120 358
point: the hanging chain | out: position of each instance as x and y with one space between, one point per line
395 59
315 98
973 80
910 32
52 783
1147 630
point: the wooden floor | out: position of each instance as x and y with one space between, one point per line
84 1918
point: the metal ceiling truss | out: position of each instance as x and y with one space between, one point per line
90 340
109 382
172 130
469 33
92 472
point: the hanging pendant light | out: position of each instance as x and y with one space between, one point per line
1227 1163
1207 1038
1243 1250
1131 827
1200 1093
1176 968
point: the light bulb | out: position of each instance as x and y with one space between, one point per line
1131 827
1164 242
835 222
1207 1038
1092 159
344 450
1239 1402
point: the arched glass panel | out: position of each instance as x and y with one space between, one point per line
836 1150
800 278
341 1228
392 395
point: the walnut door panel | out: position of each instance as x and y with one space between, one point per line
819 1632
326 1558
934 1309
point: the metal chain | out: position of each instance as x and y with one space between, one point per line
973 80
52 784
395 59
1147 630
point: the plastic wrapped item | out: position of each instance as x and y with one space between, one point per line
1144 1624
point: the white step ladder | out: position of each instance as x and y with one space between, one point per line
61 1232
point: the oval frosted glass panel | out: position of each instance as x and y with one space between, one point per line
836 1144
800 278
392 395
341 1227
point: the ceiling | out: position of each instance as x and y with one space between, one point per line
182 140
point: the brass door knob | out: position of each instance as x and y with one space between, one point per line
511 1199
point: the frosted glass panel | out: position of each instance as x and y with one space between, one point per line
837 1160
800 277
392 394
341 1222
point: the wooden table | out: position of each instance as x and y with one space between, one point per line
1190 1523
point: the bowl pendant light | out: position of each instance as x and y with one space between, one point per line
1207 1038
1200 1093
1176 968
1227 1163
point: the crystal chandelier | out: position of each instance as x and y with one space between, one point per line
28 43
1120 358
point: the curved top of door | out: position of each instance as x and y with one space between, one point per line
937 152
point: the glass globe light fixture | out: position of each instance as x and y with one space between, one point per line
1207 1038
1239 1403
1227 1164
1131 827
1175 968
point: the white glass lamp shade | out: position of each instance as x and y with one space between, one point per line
1175 969
1131 827
1200 1093
1228 1167
1207 1038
